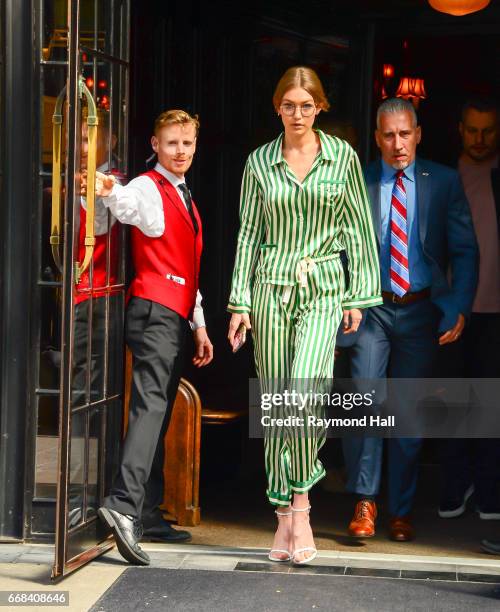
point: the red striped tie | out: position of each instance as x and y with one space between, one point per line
400 275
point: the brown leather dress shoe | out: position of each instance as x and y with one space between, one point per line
401 529
363 521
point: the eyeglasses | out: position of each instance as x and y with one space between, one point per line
306 110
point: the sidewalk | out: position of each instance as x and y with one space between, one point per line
27 567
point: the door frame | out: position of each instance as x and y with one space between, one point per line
79 541
17 185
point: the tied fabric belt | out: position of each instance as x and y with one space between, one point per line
407 298
304 268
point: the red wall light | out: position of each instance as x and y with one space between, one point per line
388 71
411 88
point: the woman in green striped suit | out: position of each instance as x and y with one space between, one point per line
303 201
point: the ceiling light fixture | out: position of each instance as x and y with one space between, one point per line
458 7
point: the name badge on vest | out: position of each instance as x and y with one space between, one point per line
176 279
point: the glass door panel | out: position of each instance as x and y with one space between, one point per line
90 291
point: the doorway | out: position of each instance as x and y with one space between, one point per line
222 65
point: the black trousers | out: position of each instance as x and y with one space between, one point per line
477 461
157 338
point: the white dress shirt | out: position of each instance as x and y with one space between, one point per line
140 204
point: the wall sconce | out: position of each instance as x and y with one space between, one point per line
411 89
458 7
387 76
388 71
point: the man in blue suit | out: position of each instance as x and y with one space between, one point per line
424 228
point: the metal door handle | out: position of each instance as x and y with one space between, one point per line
92 122
55 233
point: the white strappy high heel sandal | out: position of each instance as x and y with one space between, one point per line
279 550
306 548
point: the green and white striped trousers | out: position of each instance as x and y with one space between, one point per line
294 330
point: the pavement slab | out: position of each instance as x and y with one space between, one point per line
27 568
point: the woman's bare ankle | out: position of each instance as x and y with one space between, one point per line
300 501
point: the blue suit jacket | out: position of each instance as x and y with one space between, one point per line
446 234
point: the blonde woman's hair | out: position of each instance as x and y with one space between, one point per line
179 117
305 78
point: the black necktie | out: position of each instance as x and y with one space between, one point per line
189 205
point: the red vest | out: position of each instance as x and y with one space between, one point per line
167 268
99 262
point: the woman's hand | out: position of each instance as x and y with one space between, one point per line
352 320
235 322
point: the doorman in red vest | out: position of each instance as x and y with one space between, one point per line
163 302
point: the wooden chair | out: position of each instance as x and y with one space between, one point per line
182 451
215 416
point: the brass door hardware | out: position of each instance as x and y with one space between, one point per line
92 122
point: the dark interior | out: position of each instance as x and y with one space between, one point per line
222 61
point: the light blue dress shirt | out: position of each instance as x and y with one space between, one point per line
420 273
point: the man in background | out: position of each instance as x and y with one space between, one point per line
473 466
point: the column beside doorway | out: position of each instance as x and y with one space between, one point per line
15 260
